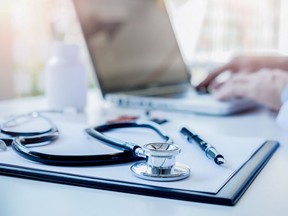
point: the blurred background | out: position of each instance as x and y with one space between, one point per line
209 32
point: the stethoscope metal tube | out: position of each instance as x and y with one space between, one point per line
34 137
13 122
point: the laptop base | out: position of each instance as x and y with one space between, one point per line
203 104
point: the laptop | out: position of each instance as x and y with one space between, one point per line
137 59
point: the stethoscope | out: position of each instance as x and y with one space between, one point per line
35 137
160 162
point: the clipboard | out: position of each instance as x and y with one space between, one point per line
228 195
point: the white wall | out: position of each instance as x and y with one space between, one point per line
283 33
6 63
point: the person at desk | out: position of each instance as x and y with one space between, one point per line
263 79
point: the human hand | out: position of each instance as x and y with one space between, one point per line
264 87
245 64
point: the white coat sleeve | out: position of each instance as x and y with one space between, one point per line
282 117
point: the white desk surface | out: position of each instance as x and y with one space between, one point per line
268 194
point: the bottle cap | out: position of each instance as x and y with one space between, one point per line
65 50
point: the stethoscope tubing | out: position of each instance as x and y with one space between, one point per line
97 133
72 160
22 142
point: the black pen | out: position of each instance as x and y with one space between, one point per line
210 151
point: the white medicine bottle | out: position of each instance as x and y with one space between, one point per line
65 79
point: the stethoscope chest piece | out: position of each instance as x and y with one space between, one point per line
160 163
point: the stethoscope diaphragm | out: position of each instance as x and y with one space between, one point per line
160 163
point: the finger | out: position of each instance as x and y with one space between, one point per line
233 80
206 82
216 85
237 87
227 93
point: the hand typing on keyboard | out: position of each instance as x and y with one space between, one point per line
259 78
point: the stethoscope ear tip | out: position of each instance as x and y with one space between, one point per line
3 146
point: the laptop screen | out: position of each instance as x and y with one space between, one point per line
132 44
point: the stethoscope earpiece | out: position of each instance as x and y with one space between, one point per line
3 146
160 163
